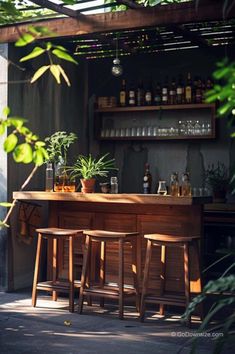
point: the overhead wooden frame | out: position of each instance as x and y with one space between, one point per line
175 14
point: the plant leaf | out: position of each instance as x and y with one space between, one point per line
39 73
25 39
10 143
2 129
55 72
63 55
38 157
64 75
5 204
6 111
35 53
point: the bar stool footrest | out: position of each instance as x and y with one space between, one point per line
166 299
58 285
108 291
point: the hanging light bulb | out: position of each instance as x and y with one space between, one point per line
116 68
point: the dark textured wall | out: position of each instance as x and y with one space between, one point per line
164 156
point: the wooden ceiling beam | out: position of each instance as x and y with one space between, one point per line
208 10
61 9
130 4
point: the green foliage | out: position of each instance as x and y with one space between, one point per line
58 144
216 177
24 145
224 90
88 167
223 290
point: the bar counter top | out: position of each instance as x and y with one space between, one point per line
110 198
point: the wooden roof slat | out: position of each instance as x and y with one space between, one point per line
131 19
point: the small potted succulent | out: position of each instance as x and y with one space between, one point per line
88 167
217 179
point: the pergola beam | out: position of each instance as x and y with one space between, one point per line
176 14
56 7
130 4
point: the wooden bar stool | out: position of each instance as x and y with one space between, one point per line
55 285
170 299
104 290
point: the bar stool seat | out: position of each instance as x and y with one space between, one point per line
55 285
170 299
103 290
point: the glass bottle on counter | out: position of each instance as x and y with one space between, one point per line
174 186
147 180
114 185
49 178
186 186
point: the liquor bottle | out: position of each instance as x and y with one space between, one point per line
165 92
148 95
157 95
186 186
172 92
131 96
140 94
147 180
179 91
199 91
174 185
49 178
188 90
122 94
209 83
194 88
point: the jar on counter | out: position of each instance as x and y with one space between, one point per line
114 185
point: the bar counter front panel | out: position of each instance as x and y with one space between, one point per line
126 212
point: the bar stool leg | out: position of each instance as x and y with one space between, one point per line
71 274
201 305
134 271
145 280
84 272
121 278
187 277
162 276
36 270
54 267
102 268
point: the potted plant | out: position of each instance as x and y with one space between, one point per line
217 179
88 167
58 145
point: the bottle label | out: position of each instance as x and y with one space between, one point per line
148 97
164 91
122 98
188 93
164 98
179 90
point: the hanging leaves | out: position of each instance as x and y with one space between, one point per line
35 53
39 73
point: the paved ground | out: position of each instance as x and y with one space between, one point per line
50 328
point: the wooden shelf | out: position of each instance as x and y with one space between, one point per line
156 108
156 138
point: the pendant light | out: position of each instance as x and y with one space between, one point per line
116 68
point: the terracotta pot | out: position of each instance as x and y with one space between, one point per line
88 185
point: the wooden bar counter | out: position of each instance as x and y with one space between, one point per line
127 212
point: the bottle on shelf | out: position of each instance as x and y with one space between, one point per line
194 88
147 180
180 91
165 92
114 185
186 186
122 94
157 94
131 96
140 94
188 90
148 95
198 96
49 185
174 185
172 92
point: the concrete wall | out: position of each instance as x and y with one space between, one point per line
48 107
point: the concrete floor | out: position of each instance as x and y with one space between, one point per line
50 328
